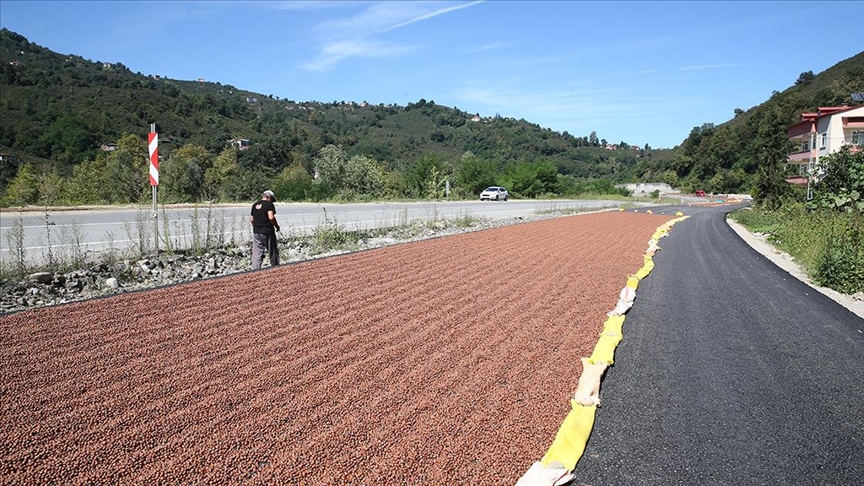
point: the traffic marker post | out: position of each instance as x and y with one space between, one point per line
153 146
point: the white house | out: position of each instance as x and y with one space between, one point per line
824 132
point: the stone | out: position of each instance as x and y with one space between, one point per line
41 277
112 283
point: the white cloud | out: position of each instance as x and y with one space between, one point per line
489 47
578 110
709 66
343 38
337 51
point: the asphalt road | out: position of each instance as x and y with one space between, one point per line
121 228
730 372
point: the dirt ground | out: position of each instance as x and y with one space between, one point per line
446 361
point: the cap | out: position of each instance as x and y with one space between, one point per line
269 194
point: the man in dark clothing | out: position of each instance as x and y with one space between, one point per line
264 228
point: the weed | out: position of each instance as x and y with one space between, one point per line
17 252
331 235
826 244
48 248
166 232
73 236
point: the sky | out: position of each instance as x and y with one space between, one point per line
640 72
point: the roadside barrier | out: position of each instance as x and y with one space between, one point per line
557 465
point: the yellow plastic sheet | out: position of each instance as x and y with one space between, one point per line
613 325
633 282
569 443
604 350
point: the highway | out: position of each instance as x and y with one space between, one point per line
95 230
731 371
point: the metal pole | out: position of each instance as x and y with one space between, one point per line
155 207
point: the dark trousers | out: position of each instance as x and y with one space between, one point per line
262 244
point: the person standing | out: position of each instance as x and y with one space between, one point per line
264 228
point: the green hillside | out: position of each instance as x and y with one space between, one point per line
727 158
57 111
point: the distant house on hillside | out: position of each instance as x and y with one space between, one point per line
241 143
476 118
251 99
109 147
6 157
822 133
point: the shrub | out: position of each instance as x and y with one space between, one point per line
841 263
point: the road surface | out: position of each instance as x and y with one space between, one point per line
730 372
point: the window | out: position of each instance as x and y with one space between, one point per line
824 142
857 137
805 146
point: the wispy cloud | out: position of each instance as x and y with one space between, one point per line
305 4
430 15
709 66
335 52
489 47
346 37
576 110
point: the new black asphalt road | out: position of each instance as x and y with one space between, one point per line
731 371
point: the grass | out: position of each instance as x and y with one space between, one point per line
560 208
204 230
827 245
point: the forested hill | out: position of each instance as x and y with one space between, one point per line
59 112
726 158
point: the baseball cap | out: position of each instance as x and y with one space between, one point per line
269 194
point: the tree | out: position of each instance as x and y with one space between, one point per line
330 165
219 176
805 78
126 169
532 179
771 186
427 177
475 174
24 188
89 183
182 175
841 186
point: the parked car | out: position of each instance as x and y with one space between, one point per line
494 193
700 192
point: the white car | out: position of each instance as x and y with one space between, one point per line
494 193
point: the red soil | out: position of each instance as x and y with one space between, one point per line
446 361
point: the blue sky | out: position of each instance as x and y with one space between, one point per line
640 72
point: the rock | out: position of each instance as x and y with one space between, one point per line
112 283
41 277
58 281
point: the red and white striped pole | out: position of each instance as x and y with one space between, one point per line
153 145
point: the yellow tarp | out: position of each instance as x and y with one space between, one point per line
569 443
604 350
613 325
